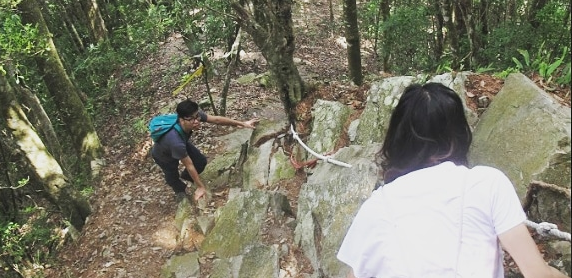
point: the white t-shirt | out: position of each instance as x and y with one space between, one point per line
411 227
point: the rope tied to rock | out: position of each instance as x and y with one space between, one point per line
546 229
319 156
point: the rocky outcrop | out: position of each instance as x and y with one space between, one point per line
526 133
327 203
259 232
384 95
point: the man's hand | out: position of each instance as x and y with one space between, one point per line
199 193
250 123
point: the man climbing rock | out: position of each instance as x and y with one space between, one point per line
174 146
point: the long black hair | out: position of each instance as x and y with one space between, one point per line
427 127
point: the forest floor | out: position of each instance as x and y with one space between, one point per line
131 231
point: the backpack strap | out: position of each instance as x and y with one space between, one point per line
181 132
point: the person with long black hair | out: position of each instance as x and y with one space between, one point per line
434 216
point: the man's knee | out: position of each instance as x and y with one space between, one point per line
201 164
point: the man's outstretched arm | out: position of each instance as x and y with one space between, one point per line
220 120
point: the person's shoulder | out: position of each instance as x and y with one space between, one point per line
486 171
489 176
171 136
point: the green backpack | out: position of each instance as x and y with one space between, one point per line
161 124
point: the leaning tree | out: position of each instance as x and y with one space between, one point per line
63 90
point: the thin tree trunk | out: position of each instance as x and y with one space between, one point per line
233 59
353 40
464 13
510 12
384 10
270 26
452 39
8 205
332 22
438 31
70 27
40 162
95 22
64 92
484 17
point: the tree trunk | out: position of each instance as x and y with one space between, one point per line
41 122
534 7
270 26
233 59
484 17
511 10
439 40
111 15
36 114
44 167
64 92
384 11
69 25
332 22
95 22
452 39
8 206
353 40
465 17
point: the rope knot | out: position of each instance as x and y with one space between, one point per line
544 228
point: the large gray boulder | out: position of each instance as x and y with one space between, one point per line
183 266
328 122
457 83
526 133
255 170
238 224
258 261
384 96
327 204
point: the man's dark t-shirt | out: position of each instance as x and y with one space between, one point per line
172 148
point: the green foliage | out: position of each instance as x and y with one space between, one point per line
511 41
139 127
87 191
503 43
553 31
547 69
542 64
368 14
17 41
485 69
565 77
444 68
95 66
407 40
503 74
27 243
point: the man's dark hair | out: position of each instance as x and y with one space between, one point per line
427 127
187 108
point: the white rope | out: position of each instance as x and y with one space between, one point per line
545 229
322 157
